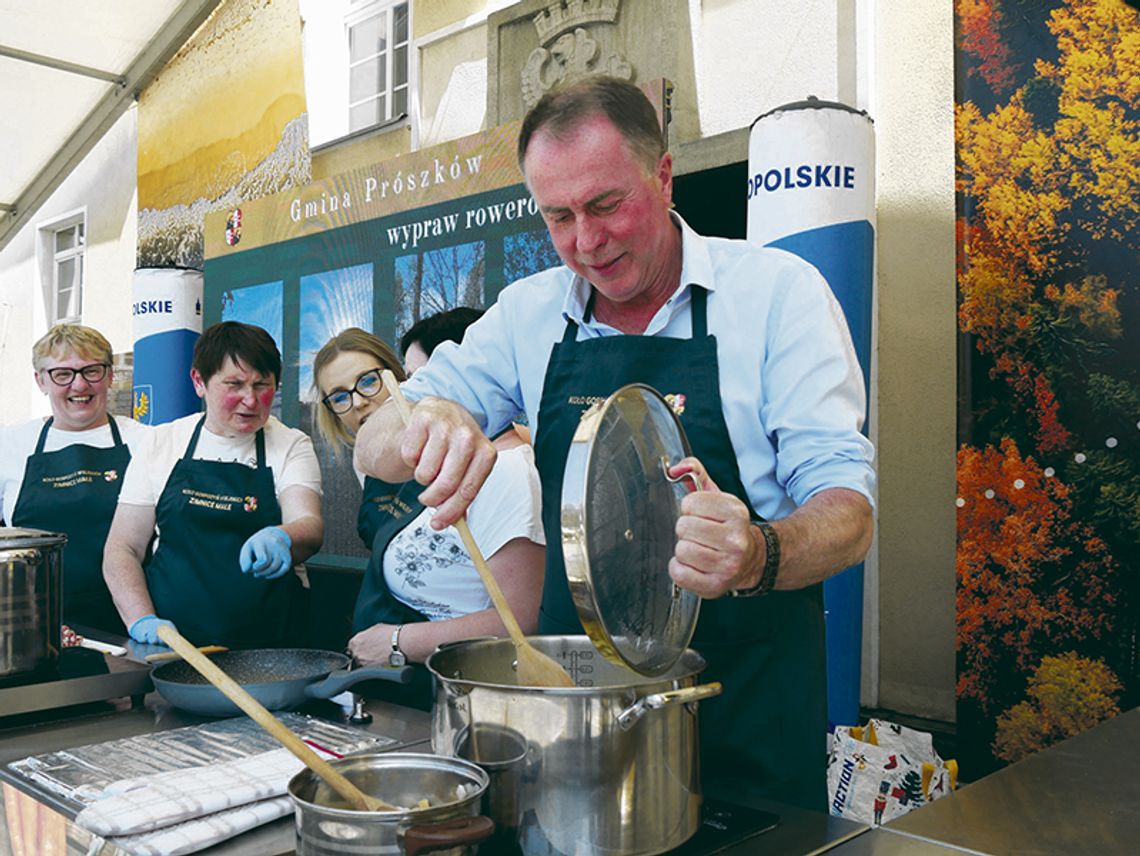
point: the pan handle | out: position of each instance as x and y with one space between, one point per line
339 681
447 834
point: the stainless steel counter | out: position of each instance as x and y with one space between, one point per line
1079 796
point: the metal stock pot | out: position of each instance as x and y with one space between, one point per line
610 766
450 824
31 601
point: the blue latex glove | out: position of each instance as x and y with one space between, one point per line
145 629
266 553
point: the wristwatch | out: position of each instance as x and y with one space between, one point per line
397 657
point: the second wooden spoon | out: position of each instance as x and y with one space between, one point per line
535 669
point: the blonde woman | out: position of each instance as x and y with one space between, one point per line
420 589
64 473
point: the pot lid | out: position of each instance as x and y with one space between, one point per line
619 516
17 538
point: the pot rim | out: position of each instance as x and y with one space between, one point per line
636 679
392 759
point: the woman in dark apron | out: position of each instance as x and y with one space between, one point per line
74 488
386 629
228 535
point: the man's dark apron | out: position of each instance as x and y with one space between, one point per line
206 512
75 490
386 510
765 735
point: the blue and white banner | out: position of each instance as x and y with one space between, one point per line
811 191
167 312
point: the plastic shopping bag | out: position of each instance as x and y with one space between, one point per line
881 771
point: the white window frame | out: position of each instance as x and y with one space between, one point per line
52 259
360 12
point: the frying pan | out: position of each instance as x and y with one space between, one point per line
278 678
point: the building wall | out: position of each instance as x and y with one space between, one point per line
104 183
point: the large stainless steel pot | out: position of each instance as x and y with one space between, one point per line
451 824
31 601
609 767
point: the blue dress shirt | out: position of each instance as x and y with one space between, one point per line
793 392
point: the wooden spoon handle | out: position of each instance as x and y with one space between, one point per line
257 712
489 581
174 655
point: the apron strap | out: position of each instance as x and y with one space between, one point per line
43 436
193 444
700 320
115 435
259 442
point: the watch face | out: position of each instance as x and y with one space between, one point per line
397 658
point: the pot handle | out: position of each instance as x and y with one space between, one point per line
339 681
629 717
428 837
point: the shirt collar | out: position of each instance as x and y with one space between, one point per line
696 269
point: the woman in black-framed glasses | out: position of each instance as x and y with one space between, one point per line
63 473
420 589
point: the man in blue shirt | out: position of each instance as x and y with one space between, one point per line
773 403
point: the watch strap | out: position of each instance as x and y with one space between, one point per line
397 657
771 562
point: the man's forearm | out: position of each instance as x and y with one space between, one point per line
830 532
377 451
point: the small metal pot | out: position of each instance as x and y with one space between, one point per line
31 601
451 824
611 766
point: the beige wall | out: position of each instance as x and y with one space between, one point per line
913 111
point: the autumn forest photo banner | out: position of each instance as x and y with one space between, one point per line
1048 172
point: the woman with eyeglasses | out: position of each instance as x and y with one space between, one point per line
63 473
235 498
421 589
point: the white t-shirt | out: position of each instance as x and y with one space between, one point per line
17 442
431 572
288 452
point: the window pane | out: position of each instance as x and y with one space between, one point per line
69 275
400 101
65 239
366 114
400 66
400 24
367 38
366 79
79 233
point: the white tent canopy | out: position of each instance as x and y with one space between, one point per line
68 70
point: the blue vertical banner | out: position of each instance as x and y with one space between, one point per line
167 312
811 191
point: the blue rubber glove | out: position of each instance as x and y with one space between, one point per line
145 629
266 553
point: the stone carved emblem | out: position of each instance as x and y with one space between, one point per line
568 52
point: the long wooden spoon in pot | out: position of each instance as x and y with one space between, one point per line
535 669
257 712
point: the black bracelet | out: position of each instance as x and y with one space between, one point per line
771 562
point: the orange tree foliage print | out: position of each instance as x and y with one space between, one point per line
1048 178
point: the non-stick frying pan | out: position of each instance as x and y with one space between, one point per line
279 678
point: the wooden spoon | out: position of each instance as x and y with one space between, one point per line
257 712
535 669
167 656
